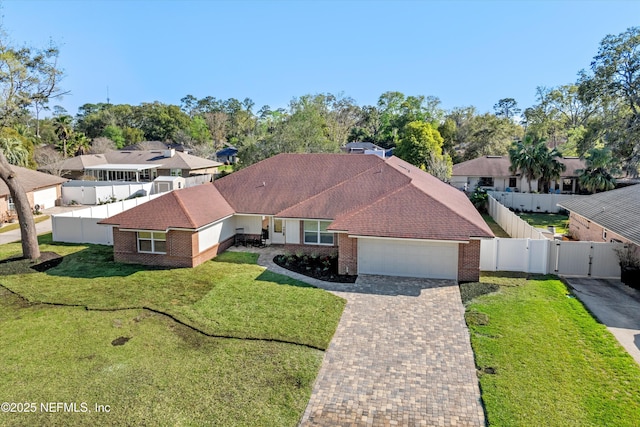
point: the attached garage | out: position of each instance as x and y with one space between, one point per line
45 198
409 258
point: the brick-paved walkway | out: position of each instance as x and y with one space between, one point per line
401 356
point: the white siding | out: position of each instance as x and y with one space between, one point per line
216 233
292 231
46 197
251 224
391 257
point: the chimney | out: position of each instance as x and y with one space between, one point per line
169 153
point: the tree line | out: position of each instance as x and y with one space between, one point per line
597 117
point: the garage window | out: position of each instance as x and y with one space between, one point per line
315 233
152 242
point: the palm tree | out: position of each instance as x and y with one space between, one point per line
528 157
552 168
14 151
600 166
64 130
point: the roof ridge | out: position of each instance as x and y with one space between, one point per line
329 188
184 208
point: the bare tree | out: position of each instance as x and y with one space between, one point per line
49 160
101 145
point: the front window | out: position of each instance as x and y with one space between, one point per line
315 233
152 242
176 172
485 181
513 182
10 204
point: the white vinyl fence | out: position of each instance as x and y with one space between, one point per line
587 259
82 226
515 226
96 192
530 202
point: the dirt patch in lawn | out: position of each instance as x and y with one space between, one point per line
47 260
319 267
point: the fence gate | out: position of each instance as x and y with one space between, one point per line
588 259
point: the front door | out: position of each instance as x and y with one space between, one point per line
277 235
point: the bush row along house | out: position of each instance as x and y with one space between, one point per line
381 216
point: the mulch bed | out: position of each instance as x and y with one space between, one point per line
319 267
21 265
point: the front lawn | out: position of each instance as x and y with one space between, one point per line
14 226
543 360
165 365
542 220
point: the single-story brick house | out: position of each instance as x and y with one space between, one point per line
42 189
611 216
381 216
493 172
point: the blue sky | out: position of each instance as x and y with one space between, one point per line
463 52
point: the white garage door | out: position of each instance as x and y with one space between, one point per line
408 258
46 198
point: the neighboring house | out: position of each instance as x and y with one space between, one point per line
366 148
380 217
228 155
42 189
611 216
492 172
135 165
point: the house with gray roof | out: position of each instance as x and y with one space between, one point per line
611 216
42 190
135 165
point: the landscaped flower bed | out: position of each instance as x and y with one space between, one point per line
323 267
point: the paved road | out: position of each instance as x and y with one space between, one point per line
14 235
615 305
401 356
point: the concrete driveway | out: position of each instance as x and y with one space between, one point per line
615 305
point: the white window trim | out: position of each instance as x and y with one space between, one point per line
153 240
318 233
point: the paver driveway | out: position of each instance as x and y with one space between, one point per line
401 356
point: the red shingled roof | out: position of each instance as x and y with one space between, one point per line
189 208
281 181
362 194
424 208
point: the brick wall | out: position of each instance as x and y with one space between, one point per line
347 254
469 261
585 230
181 247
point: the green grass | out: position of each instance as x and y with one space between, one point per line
497 230
167 373
541 220
553 363
16 225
